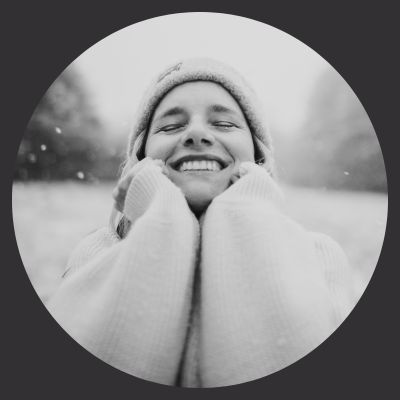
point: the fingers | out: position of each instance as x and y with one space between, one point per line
120 191
235 177
249 167
245 168
146 162
162 165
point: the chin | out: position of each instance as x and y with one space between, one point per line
200 188
199 198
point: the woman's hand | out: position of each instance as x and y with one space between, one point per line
120 191
251 182
245 168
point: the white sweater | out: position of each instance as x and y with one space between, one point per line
266 291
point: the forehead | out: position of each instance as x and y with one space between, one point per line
200 94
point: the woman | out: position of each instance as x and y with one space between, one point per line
203 281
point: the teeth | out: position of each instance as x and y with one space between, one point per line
202 165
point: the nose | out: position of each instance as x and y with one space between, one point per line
198 136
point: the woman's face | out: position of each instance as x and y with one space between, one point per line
200 132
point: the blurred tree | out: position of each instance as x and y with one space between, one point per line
65 137
337 147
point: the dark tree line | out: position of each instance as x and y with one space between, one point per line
65 138
338 147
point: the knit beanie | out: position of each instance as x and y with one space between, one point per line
202 69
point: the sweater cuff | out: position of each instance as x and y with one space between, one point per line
254 185
151 188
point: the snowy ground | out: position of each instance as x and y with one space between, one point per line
51 218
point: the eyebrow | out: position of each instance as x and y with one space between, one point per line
174 111
171 112
218 108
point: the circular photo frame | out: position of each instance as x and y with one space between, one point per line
209 205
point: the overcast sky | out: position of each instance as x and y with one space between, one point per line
282 69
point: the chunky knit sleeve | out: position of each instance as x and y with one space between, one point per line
127 301
271 291
92 245
338 274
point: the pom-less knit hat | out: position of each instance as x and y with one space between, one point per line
202 69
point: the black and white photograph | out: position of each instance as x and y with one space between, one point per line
209 205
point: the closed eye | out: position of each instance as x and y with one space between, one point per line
225 124
170 128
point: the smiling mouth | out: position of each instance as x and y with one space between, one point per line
199 164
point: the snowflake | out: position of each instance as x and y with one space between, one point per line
43 147
32 157
80 175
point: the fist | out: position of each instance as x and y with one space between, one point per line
245 168
120 191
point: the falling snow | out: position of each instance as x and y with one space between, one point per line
58 130
43 147
80 175
32 157
346 173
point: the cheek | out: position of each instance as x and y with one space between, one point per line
159 147
241 149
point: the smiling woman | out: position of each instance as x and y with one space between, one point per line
200 280
201 134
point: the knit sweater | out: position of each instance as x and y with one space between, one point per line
266 292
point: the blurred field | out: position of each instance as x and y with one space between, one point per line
51 218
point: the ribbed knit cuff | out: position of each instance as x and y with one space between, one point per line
255 184
151 188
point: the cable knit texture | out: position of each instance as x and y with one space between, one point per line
267 292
